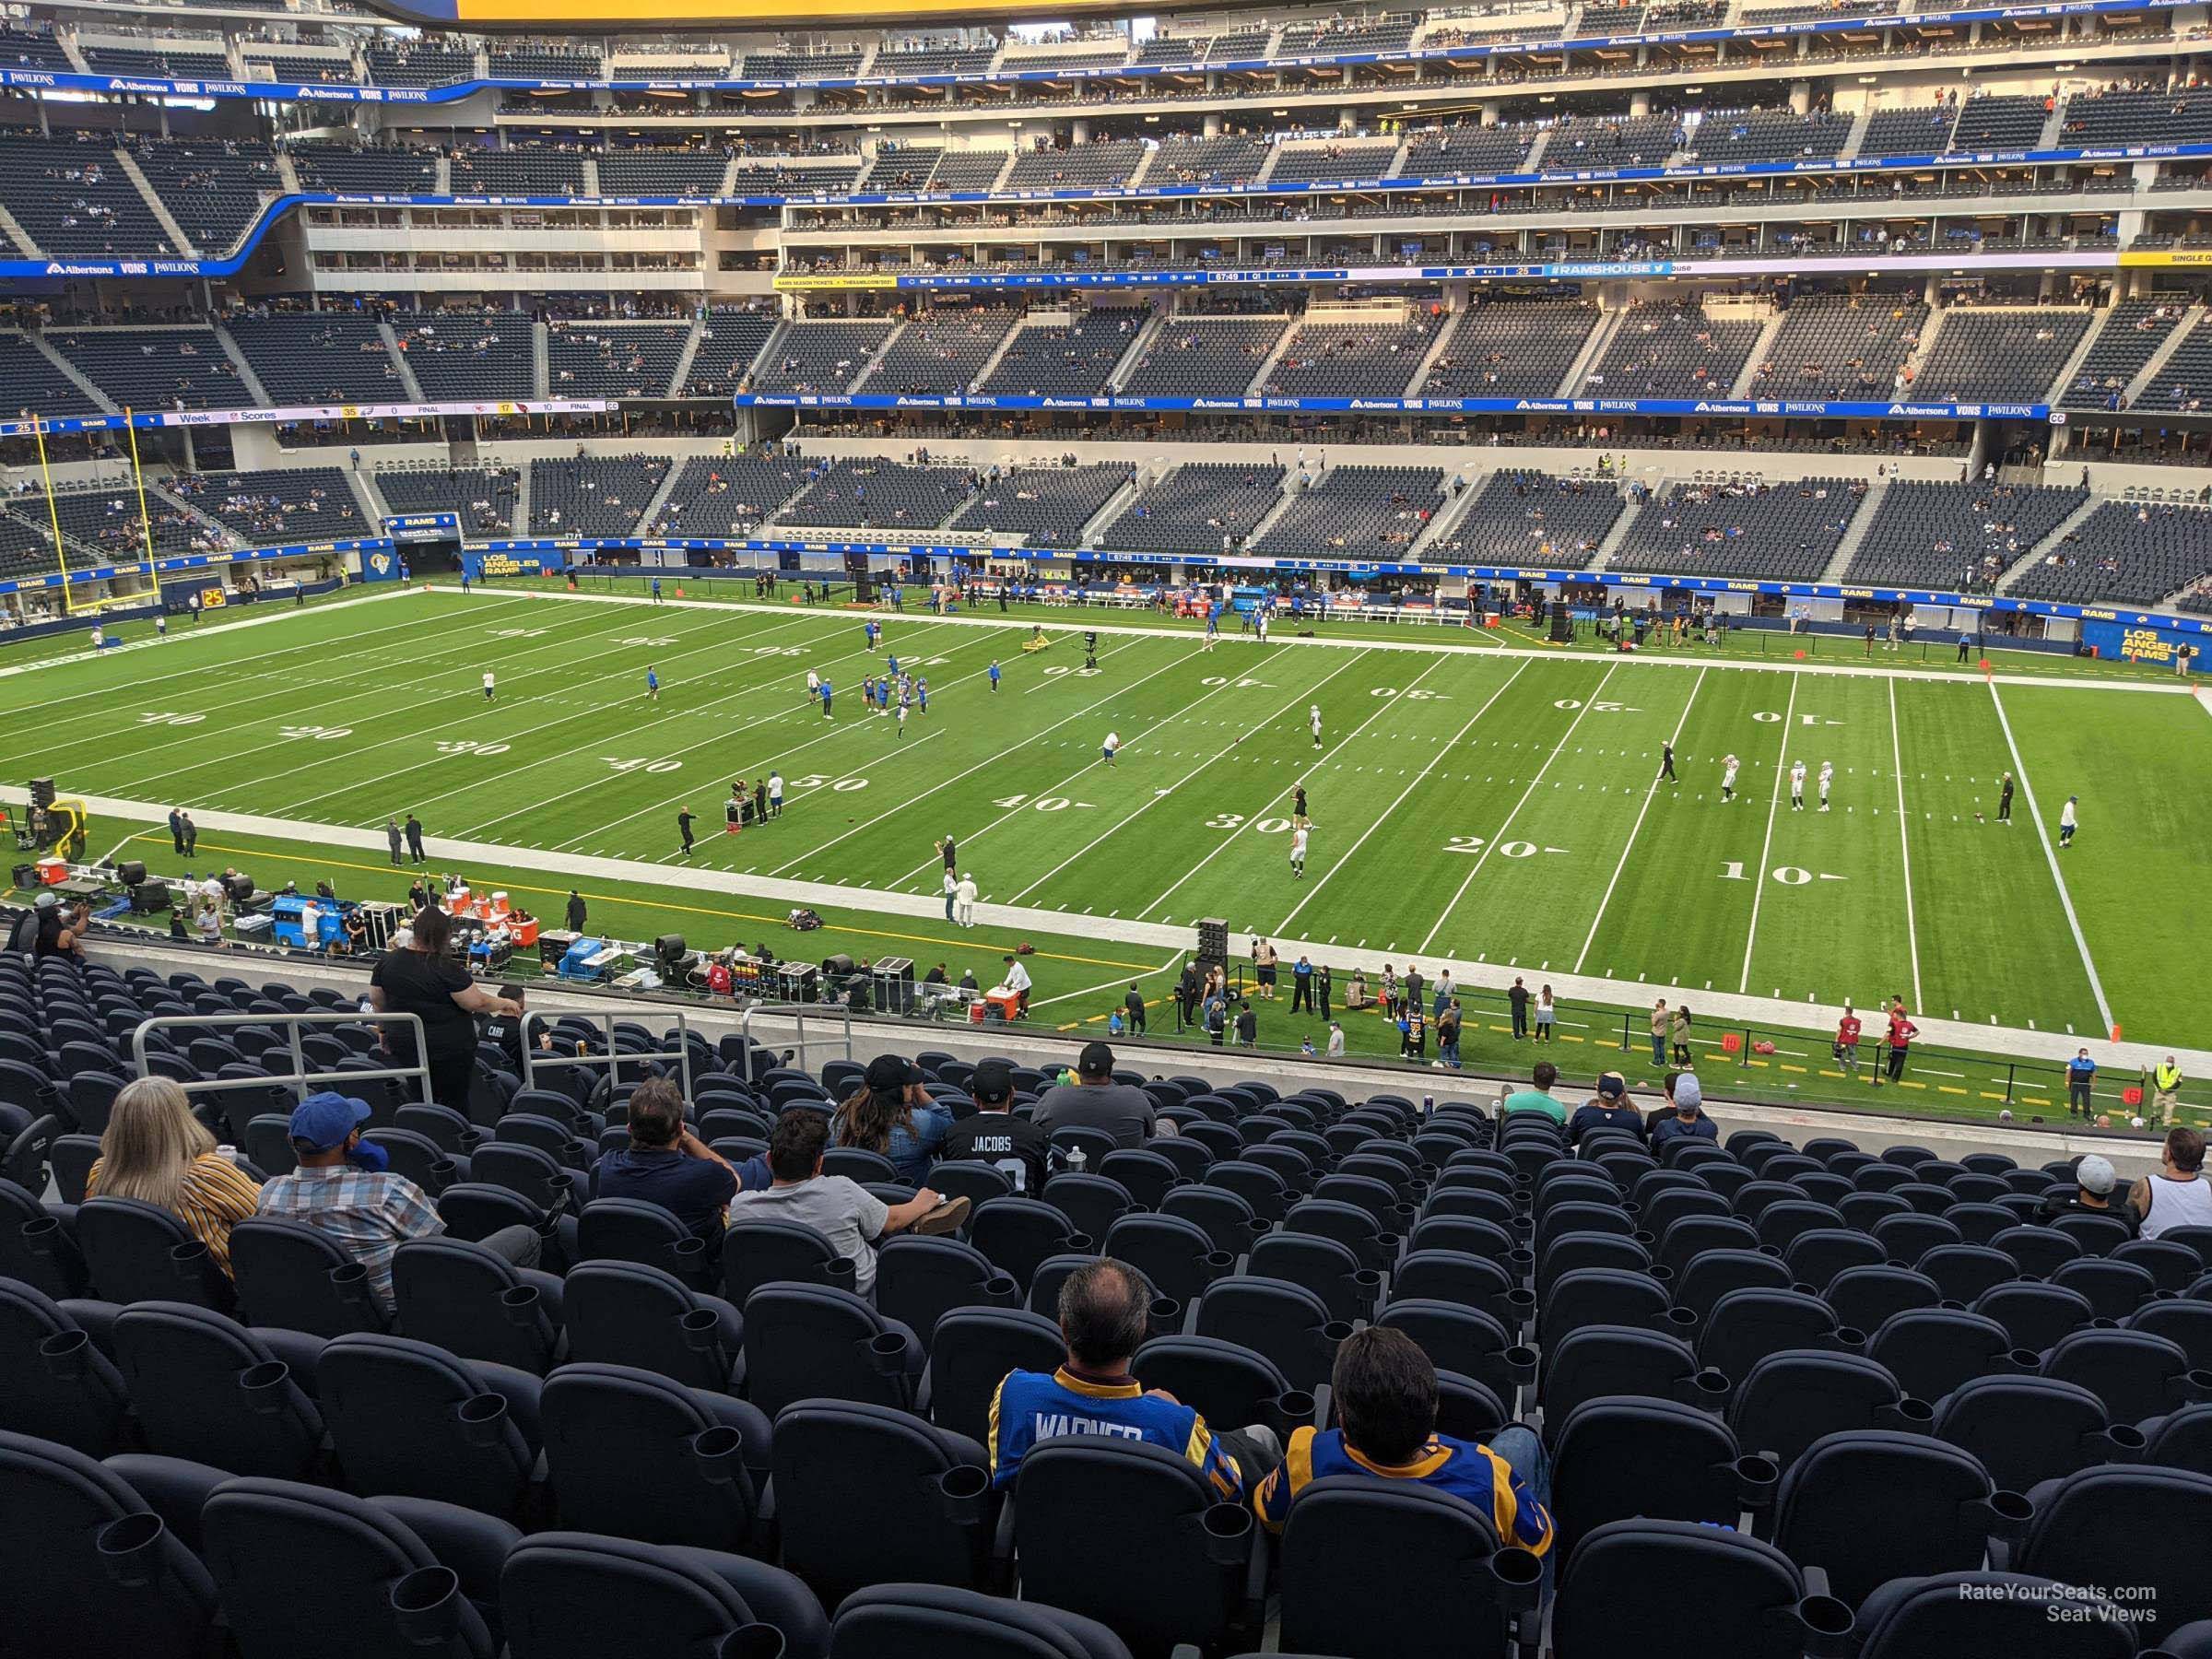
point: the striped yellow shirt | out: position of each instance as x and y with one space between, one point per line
216 1194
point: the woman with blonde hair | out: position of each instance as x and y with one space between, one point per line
156 1151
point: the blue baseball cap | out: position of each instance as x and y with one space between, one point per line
323 1121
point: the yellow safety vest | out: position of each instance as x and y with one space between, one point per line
2168 1078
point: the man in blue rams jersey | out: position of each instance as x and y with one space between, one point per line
1104 1306
1385 1395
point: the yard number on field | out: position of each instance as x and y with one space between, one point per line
1788 875
1513 848
641 765
163 717
316 733
463 746
1595 708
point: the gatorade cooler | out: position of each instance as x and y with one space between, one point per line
1007 1003
53 872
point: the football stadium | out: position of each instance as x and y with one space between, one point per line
813 816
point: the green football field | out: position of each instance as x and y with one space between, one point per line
1486 801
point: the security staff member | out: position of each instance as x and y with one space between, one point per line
1134 1003
1186 997
576 912
2166 1084
683 828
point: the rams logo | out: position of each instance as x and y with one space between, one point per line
380 563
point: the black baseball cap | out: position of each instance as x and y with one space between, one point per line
1095 1061
888 1071
993 1080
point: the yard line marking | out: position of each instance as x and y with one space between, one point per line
1177 660
1904 841
1636 828
2105 1008
590 707
216 632
476 714
221 672
1758 883
1483 858
665 802
1162 795
1284 925
1289 703
378 689
1084 770
1842 670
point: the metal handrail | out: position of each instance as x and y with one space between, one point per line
603 1019
798 1014
301 1077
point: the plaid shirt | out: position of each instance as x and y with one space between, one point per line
369 1213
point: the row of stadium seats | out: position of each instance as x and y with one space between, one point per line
1968 536
1755 1366
1823 346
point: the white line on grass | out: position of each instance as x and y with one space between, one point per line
2105 1008
1442 749
1636 829
225 671
215 633
1758 876
815 851
1904 841
328 704
1085 770
1162 795
849 726
1173 961
1483 858
475 715
1382 706
1352 642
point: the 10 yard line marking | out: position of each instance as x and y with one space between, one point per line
1638 828
1442 749
1759 886
1904 841
1483 856
2105 1008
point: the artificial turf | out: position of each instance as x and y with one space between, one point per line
1481 803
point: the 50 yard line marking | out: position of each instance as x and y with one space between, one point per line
2105 1008
1904 843
1507 823
1637 829
1759 884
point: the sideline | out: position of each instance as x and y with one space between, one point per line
1838 670
1758 1010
